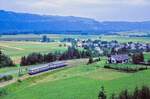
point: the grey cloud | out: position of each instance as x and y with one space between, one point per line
131 10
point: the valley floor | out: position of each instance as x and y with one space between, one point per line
80 81
77 81
16 49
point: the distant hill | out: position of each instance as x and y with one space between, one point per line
12 23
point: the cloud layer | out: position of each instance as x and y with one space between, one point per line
120 10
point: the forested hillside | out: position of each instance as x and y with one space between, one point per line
23 23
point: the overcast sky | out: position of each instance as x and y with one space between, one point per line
102 10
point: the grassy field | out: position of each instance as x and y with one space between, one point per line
147 56
14 70
18 49
78 82
34 37
126 39
38 37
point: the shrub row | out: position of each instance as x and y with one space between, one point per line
126 69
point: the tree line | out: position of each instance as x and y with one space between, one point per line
71 53
138 93
5 61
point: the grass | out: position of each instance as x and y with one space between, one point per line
13 71
4 70
126 39
147 56
77 82
18 49
37 37
34 37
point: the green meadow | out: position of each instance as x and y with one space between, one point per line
38 37
56 37
21 47
18 49
126 38
78 82
147 56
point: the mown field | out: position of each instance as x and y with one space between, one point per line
38 37
56 37
78 82
18 49
126 39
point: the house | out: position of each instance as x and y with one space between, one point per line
122 58
99 50
79 44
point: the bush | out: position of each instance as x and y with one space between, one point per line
125 69
107 66
19 80
142 68
102 94
6 78
2 92
90 60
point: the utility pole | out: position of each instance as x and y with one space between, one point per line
19 69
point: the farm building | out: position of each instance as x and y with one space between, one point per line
122 58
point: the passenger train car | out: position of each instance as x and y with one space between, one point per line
46 67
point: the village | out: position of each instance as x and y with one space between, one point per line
109 47
116 52
74 49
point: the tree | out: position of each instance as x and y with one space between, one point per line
71 53
5 61
124 95
45 38
50 57
113 96
23 61
102 94
90 60
143 93
135 94
138 58
33 58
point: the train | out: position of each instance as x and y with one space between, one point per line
46 67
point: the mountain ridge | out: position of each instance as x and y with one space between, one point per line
14 22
